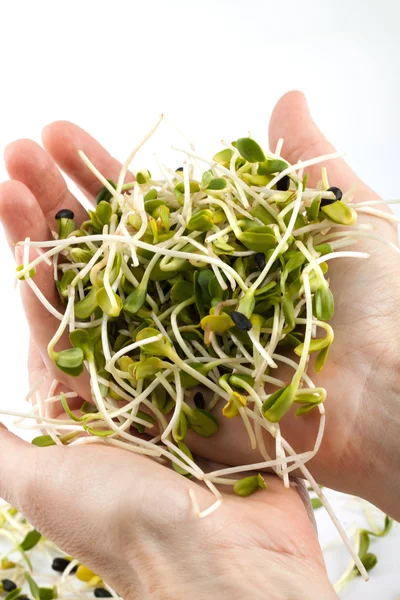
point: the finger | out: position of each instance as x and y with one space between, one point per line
63 139
21 216
291 120
46 385
27 162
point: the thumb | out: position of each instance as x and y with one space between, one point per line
291 120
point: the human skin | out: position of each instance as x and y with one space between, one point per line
363 362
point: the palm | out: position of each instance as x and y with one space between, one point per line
146 515
364 305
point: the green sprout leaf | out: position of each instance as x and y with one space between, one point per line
113 308
161 348
86 307
249 485
259 239
217 323
278 404
104 195
186 450
34 588
70 361
43 441
80 338
324 304
218 183
30 540
316 503
13 594
136 299
250 150
201 421
201 221
272 165
341 213
223 157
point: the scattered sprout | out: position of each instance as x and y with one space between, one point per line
249 485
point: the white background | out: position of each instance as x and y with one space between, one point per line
215 69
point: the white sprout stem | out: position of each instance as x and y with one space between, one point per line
129 160
361 234
218 234
229 214
260 348
313 263
259 466
324 226
307 336
280 246
117 195
280 453
60 245
174 324
343 254
64 321
107 272
48 430
379 213
165 251
131 347
303 165
178 406
357 205
278 148
329 510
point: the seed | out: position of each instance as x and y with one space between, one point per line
283 184
8 585
61 563
65 213
198 400
178 169
338 196
102 593
260 260
240 320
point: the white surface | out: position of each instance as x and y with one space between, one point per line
216 70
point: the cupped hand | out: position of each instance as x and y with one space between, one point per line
131 521
359 453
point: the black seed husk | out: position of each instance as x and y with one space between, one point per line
102 593
198 400
283 184
65 213
240 320
179 169
8 585
338 196
60 564
260 260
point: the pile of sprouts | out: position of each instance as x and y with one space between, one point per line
184 294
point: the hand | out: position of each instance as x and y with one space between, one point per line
360 453
130 520
353 456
